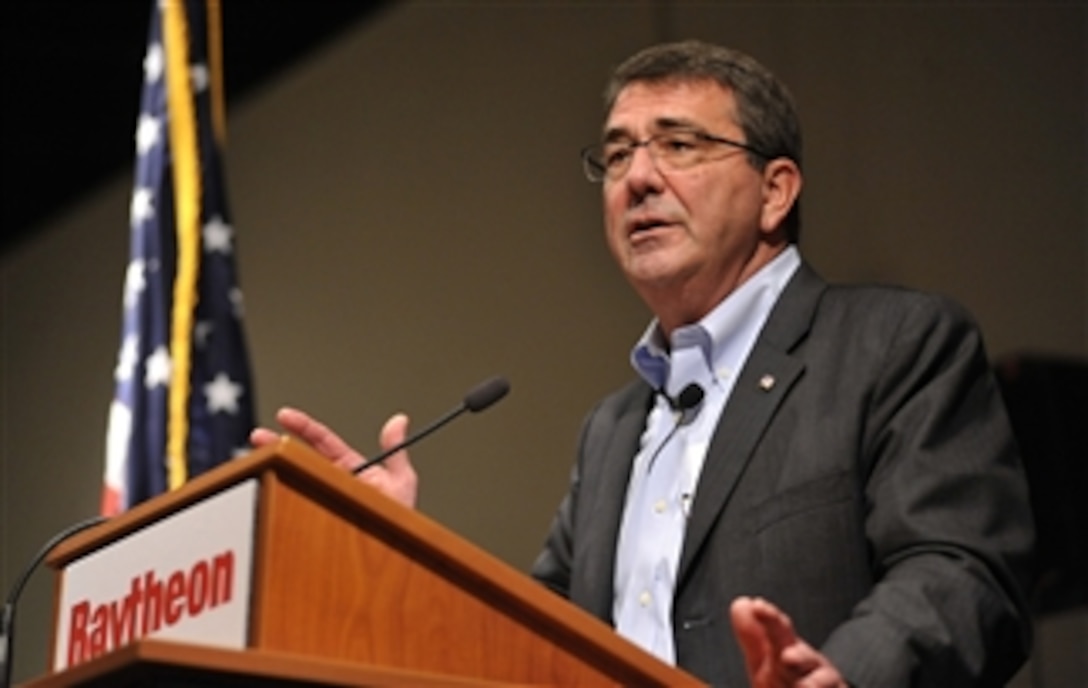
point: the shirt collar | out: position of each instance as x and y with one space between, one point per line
726 334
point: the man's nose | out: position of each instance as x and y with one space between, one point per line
643 174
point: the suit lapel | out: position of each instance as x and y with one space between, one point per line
764 383
608 498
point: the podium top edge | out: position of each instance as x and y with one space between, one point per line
288 453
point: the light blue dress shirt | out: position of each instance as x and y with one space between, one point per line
673 447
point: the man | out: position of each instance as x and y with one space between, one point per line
806 484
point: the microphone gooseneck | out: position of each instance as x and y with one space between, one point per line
7 617
478 399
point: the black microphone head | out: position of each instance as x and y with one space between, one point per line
487 393
690 397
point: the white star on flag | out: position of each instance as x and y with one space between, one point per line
218 236
134 282
158 368
153 63
236 301
147 134
126 359
222 394
142 207
201 331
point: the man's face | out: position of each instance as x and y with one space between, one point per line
691 234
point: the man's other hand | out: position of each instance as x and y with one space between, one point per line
774 654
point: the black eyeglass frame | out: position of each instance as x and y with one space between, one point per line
596 171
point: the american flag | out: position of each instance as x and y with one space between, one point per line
184 398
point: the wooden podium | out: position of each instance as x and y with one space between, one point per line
350 588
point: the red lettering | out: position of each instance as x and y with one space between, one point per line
222 578
197 592
123 616
149 604
152 604
100 619
175 597
77 632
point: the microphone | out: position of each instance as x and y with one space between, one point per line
479 398
7 616
688 399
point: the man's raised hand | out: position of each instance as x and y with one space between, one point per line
395 477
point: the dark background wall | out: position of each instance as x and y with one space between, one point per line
412 218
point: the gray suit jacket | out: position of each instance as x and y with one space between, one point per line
873 491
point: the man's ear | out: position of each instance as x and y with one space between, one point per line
781 187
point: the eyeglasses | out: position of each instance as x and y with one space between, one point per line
670 150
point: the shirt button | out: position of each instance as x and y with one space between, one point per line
644 598
659 506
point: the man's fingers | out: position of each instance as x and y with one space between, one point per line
793 658
774 654
393 433
827 676
750 634
801 659
776 623
744 620
395 478
317 435
260 437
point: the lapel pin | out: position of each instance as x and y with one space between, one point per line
766 382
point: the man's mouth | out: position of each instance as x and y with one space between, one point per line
646 225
